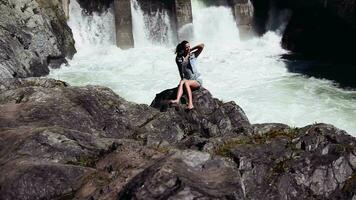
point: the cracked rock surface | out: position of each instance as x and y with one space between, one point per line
64 142
34 36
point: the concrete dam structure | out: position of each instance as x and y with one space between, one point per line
180 16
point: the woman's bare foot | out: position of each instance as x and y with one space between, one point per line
173 101
190 107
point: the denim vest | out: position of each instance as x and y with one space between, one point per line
190 71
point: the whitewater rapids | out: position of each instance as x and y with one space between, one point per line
249 73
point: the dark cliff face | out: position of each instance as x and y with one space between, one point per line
90 6
64 142
319 29
33 35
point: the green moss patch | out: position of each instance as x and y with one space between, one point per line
225 149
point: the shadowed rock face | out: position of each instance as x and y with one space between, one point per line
321 31
90 6
317 28
64 142
33 35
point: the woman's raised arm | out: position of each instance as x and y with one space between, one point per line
197 49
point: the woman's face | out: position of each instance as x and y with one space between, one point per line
187 48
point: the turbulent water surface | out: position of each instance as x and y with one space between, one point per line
249 72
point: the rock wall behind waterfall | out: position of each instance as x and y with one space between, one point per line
91 6
317 28
324 29
34 35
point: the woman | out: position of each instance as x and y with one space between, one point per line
186 62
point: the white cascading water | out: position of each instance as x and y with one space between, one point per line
214 25
95 30
249 73
150 30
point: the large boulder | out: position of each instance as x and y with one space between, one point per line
33 36
209 118
313 162
52 135
63 142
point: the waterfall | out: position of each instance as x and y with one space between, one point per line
139 30
247 72
150 28
94 30
214 25
99 29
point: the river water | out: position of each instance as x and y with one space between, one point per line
250 72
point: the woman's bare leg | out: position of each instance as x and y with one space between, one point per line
190 84
179 92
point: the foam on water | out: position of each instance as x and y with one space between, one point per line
249 73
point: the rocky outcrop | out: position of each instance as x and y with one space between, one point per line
65 6
33 36
63 142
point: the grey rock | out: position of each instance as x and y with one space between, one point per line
173 178
210 117
352 159
342 170
63 142
38 180
34 35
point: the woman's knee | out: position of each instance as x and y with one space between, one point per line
187 83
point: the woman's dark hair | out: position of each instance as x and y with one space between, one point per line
181 48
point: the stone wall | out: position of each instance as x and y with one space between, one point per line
182 10
123 22
243 12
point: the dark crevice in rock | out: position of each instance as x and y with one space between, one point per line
20 98
55 62
178 186
90 6
131 188
24 7
35 11
201 145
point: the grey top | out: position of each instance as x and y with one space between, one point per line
187 68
